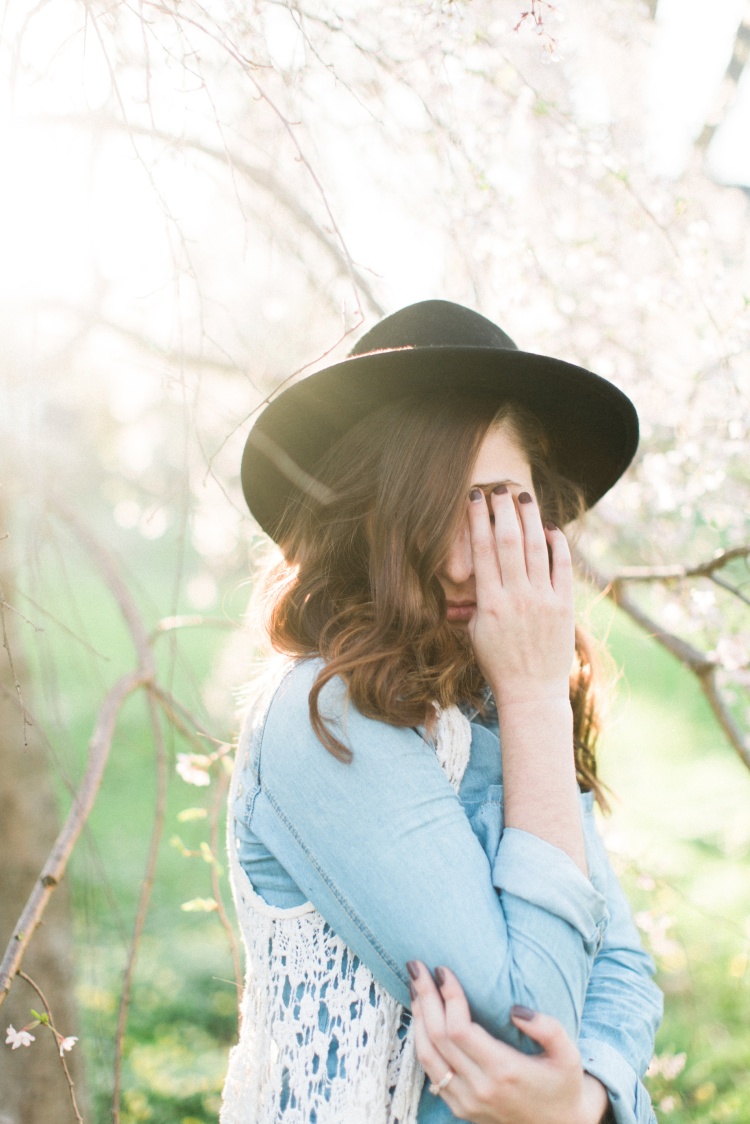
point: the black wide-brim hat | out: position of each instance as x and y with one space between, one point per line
432 348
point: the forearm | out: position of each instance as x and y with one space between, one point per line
596 1106
540 789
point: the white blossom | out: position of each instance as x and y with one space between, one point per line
193 768
67 1044
16 1038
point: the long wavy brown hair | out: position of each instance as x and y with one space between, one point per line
359 582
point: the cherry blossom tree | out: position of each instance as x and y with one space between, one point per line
203 201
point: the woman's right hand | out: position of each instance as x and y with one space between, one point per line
523 628
523 632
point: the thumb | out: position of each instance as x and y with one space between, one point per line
548 1032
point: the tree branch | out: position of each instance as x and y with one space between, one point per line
680 573
54 868
700 663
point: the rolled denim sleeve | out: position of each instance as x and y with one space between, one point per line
532 869
381 846
623 1007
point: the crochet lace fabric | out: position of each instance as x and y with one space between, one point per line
311 1005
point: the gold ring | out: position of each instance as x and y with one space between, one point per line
437 1089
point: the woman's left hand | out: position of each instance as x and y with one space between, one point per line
494 1083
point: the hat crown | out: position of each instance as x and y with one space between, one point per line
433 324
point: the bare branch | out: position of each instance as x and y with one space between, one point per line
185 721
99 748
190 620
57 861
691 657
717 579
701 664
724 716
680 573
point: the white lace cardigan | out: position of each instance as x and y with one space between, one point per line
281 1052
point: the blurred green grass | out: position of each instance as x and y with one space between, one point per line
679 835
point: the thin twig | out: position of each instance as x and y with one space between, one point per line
717 579
185 721
217 804
66 1071
107 563
27 620
61 625
189 620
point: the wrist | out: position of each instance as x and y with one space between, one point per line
544 712
520 694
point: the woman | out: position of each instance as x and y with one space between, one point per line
407 791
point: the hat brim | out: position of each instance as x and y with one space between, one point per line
592 426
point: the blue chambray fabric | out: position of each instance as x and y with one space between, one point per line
401 868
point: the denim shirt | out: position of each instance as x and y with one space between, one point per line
402 868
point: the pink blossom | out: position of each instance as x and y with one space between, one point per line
67 1044
193 768
18 1038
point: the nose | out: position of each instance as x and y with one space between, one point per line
458 566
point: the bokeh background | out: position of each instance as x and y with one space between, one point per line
199 201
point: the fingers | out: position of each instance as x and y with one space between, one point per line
509 537
480 1047
562 565
534 541
483 549
518 544
443 1030
548 1032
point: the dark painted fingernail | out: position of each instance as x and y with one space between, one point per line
475 495
439 975
500 490
519 1012
412 990
524 498
550 525
412 968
